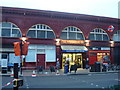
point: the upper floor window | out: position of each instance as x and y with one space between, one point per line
8 29
98 34
116 36
72 33
41 31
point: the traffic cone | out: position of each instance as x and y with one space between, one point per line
12 74
33 74
57 73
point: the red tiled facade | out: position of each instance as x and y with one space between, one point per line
25 18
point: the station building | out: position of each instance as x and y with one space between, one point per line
58 35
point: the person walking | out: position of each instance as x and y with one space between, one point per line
58 66
87 63
84 63
66 67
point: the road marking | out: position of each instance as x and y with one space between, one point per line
103 87
91 83
89 74
83 81
96 85
27 86
117 79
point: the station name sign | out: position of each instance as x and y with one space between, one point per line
72 41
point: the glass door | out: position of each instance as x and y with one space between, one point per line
73 58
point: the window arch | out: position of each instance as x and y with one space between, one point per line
72 33
116 36
8 29
41 31
98 34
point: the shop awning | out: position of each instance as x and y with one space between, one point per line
72 48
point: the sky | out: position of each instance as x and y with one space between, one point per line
106 8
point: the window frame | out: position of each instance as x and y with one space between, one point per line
74 30
11 28
116 35
41 27
98 31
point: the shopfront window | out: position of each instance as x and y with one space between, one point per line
100 56
116 36
4 56
8 29
41 31
72 33
98 35
73 58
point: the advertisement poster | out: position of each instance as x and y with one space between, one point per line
4 63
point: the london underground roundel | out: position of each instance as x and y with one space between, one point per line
111 28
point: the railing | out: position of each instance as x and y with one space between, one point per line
113 67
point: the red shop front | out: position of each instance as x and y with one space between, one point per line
97 56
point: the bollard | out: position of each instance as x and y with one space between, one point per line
12 74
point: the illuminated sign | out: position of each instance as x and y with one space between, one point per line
72 41
111 28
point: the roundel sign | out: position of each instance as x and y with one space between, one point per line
111 28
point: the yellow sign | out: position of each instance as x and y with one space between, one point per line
72 41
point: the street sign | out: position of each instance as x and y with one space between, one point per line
17 48
111 28
21 48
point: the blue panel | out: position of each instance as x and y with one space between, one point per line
74 51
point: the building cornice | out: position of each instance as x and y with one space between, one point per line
59 15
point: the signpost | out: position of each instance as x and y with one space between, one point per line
20 48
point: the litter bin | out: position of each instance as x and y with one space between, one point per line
52 69
40 69
92 68
73 68
97 66
66 68
104 69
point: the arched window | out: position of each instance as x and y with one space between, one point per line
98 34
72 33
116 36
41 31
8 29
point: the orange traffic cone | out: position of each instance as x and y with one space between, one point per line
12 74
33 74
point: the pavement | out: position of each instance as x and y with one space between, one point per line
80 71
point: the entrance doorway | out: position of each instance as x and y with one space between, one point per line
73 58
41 60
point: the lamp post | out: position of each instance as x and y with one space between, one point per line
22 50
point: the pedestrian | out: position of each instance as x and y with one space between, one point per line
79 62
84 63
58 66
68 59
87 63
66 67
